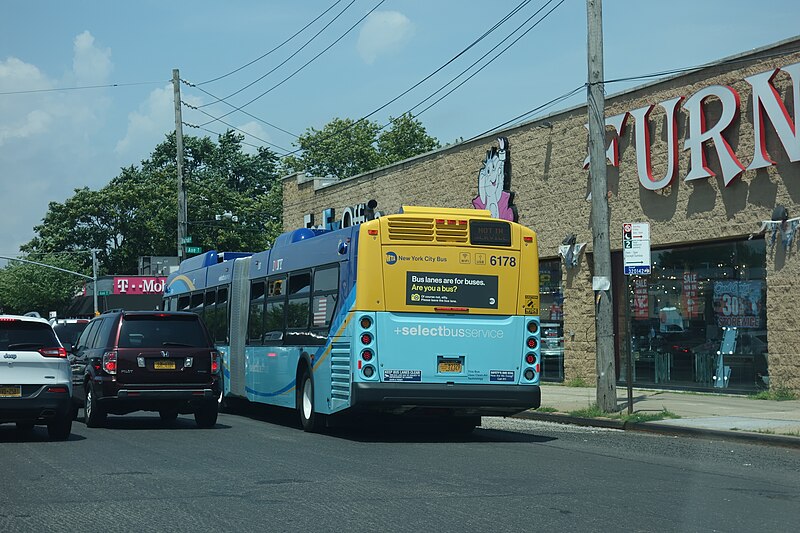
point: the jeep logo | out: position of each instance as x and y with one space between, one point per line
10 356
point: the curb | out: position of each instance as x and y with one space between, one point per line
665 429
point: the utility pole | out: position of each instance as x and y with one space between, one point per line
604 324
182 211
94 281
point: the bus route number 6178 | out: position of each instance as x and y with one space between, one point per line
502 260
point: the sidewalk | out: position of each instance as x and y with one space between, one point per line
720 416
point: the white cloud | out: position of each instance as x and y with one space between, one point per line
383 32
90 64
48 144
148 125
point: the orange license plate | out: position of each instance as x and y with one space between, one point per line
450 367
164 364
10 391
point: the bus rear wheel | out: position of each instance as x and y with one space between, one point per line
310 420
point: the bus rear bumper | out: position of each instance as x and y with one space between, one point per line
487 400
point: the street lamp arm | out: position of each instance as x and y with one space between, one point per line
47 266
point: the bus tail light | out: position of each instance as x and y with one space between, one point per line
530 358
366 355
366 338
532 326
368 371
110 362
529 375
214 362
365 322
532 343
53 352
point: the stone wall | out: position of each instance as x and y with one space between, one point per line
551 195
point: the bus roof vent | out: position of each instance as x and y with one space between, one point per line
424 229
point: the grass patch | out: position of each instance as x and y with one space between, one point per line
771 432
576 382
593 411
648 417
545 409
780 394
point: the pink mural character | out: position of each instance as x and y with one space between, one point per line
493 181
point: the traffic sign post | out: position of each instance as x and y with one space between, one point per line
636 248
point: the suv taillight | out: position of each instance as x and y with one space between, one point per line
110 362
214 362
53 352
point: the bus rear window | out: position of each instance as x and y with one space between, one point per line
489 233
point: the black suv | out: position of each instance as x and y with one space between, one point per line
126 361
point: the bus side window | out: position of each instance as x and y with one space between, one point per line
210 312
326 283
197 303
275 312
297 311
255 319
223 321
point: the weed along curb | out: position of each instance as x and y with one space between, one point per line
664 429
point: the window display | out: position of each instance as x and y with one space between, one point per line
699 321
552 320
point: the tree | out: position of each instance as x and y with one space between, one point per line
346 147
407 138
27 287
135 214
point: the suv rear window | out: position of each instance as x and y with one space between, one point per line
158 331
21 335
70 331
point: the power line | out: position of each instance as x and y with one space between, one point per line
259 58
282 62
231 126
426 78
110 85
483 56
290 76
245 112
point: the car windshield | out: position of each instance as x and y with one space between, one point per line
21 334
160 331
69 332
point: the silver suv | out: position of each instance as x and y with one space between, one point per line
35 376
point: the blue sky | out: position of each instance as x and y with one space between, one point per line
53 141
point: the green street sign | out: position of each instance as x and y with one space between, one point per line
186 240
194 250
103 293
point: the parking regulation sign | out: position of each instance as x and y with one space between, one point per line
636 248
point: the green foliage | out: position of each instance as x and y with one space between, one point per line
135 214
545 409
346 147
592 411
779 394
576 382
28 287
646 417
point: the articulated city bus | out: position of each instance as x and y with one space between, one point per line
427 312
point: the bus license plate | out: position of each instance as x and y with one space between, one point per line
450 366
11 391
164 364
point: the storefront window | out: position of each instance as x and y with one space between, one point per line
552 320
699 321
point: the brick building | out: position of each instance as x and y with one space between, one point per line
718 160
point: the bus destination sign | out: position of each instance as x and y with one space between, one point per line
489 233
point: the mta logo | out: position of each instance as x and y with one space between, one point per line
391 258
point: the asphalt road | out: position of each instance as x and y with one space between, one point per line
257 471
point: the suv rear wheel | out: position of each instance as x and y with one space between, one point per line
206 414
94 416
